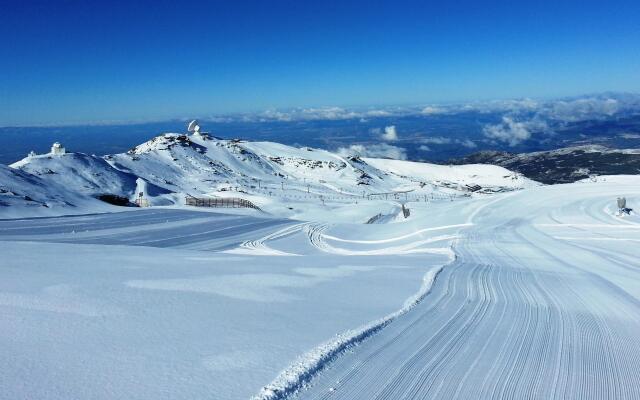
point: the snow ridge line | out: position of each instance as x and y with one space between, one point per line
302 371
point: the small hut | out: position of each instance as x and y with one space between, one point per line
141 193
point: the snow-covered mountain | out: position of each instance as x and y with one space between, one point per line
85 174
26 194
176 165
565 165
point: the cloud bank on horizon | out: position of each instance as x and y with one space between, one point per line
521 119
414 132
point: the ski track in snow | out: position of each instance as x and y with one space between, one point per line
165 228
210 231
519 315
259 247
317 239
309 364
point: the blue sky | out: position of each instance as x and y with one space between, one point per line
88 61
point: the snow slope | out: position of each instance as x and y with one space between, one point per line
470 174
22 193
542 301
542 304
144 304
82 173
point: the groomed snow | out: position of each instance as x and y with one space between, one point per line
164 303
542 302
153 304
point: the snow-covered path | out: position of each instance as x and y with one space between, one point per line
537 306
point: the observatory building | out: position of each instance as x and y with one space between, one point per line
57 149
194 127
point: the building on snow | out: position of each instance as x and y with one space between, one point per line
57 149
141 193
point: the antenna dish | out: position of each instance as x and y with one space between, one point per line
193 126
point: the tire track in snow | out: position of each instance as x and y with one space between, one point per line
259 246
316 235
509 320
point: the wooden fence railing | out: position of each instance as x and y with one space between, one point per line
220 202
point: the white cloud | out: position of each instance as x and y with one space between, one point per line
378 113
435 140
307 114
390 134
513 132
431 110
581 109
440 140
275 115
327 113
424 148
381 150
467 143
555 112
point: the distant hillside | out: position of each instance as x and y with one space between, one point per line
563 165
269 174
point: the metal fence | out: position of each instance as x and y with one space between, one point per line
220 202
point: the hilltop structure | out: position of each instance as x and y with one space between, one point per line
57 149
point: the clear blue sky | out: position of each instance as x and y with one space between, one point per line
76 61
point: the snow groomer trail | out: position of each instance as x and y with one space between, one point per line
542 302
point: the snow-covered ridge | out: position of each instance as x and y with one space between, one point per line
266 173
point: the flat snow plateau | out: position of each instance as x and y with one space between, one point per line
541 301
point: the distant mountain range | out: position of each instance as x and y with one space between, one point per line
563 165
